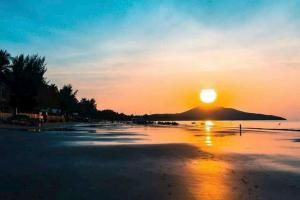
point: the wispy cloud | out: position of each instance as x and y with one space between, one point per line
138 42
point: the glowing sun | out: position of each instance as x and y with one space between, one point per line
208 95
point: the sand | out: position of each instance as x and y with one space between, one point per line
47 166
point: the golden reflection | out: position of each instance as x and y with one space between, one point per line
211 181
208 141
213 175
208 126
207 129
209 123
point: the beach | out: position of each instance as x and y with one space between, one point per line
125 161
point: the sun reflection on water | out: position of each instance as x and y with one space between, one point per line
208 126
212 180
212 175
209 123
208 141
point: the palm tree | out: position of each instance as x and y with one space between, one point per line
4 58
4 63
24 80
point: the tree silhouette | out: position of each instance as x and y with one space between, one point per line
67 99
26 89
87 107
25 77
48 97
4 64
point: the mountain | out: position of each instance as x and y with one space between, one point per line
218 113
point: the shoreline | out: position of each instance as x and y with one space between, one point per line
45 166
6 126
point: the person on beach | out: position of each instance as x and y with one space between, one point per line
240 129
44 116
40 121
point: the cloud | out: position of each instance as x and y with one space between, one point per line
161 42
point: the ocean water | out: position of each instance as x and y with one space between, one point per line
252 124
271 143
263 135
263 157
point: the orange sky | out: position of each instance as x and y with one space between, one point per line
160 62
153 56
155 91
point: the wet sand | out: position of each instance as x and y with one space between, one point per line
128 162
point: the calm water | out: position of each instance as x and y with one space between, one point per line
265 137
293 125
275 144
264 158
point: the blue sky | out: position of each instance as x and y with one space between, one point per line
24 21
99 45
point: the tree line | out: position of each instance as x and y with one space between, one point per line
26 89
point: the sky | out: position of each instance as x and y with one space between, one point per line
150 56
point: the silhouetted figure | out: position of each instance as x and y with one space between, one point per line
44 116
240 129
40 121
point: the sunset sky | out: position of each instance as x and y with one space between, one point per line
148 56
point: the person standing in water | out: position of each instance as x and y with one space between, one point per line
240 129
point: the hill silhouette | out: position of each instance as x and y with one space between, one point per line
217 113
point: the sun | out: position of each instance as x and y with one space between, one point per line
208 95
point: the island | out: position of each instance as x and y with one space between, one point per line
213 113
